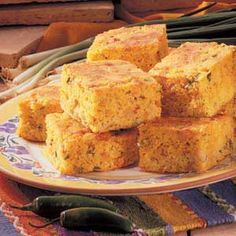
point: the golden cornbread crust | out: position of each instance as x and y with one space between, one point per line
175 145
196 78
109 95
74 149
143 46
33 109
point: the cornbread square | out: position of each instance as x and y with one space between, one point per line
143 46
175 145
229 108
33 109
74 149
196 78
109 95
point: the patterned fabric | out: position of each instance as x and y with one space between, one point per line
161 214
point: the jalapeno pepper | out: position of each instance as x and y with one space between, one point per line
51 206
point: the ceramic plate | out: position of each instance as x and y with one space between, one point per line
25 162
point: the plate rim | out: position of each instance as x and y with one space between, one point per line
121 191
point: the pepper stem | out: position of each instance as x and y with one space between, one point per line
27 207
44 225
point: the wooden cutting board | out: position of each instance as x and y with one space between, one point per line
18 41
46 13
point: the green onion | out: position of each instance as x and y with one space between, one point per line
30 83
32 59
203 31
190 20
227 21
56 62
181 29
36 68
227 10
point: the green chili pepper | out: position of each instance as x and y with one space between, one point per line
97 219
52 206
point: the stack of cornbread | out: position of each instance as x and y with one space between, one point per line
103 102
197 82
132 103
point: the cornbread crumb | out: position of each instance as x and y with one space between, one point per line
109 95
33 109
143 46
74 149
196 78
175 145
